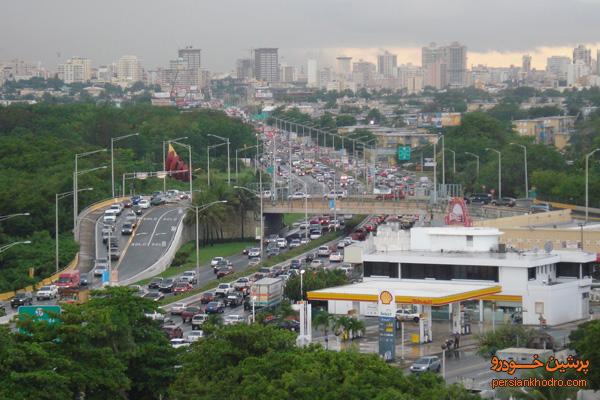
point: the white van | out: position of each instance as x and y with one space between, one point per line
110 216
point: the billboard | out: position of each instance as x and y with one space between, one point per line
386 305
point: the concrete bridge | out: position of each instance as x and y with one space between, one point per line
359 206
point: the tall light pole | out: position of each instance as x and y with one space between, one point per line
226 140
5 217
197 210
112 158
525 160
75 175
8 246
236 159
587 180
59 196
499 170
453 163
165 142
262 220
189 149
302 271
208 148
477 157
75 194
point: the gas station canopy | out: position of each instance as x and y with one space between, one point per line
435 293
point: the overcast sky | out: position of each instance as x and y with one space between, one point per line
497 32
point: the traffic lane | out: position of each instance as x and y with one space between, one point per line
151 239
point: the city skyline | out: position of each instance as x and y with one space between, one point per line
494 34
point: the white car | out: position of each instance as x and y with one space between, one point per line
177 343
304 225
299 196
403 314
225 289
282 243
47 292
336 257
193 336
215 261
177 308
242 283
189 276
317 264
315 234
144 204
118 208
294 243
254 252
341 244
233 320
304 240
155 316
323 251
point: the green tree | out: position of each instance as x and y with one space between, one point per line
313 280
345 120
503 337
585 340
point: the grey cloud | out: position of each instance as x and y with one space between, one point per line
227 29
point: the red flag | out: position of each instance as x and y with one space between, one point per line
171 153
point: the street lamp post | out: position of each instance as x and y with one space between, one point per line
8 246
253 309
75 194
236 159
453 163
112 158
5 217
302 271
499 170
75 175
59 196
587 180
477 157
443 160
197 210
525 160
226 140
208 148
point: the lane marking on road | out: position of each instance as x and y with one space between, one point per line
158 223
124 252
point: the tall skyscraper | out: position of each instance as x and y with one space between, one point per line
312 73
558 66
287 73
583 55
362 72
344 66
526 63
75 70
434 66
598 62
266 64
456 58
245 68
129 70
387 64
325 76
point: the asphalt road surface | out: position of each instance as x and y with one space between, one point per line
150 240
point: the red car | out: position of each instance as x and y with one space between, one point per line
358 234
224 271
370 227
189 312
207 297
182 287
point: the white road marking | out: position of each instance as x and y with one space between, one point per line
157 223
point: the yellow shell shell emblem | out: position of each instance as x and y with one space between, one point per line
386 297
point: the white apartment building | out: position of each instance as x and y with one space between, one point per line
458 265
129 70
312 73
75 70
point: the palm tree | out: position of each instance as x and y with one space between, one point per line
341 326
322 319
243 201
357 327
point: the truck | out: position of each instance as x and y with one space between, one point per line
68 280
268 292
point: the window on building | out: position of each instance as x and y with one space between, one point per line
531 273
381 269
449 272
567 269
469 241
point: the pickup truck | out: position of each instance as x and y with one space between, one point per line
407 315
47 292
242 283
224 289
21 299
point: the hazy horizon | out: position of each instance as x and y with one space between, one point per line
495 34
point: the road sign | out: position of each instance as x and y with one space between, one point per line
270 169
331 204
39 313
403 153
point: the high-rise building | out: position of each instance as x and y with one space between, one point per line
105 74
129 70
325 76
266 64
558 66
245 68
192 57
344 66
581 53
75 70
312 73
456 64
287 73
526 63
362 72
598 62
434 66
387 64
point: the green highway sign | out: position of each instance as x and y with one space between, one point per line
39 313
403 153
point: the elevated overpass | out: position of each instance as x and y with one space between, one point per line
360 206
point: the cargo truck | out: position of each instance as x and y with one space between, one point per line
266 292
68 280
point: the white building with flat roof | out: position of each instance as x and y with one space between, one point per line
547 285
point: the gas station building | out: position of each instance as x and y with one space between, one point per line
452 269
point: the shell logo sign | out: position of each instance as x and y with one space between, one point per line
385 297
